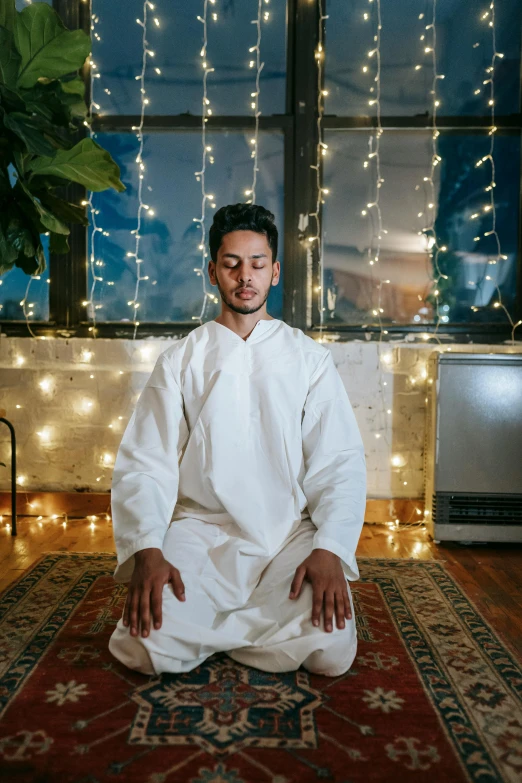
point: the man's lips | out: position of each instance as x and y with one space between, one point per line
246 293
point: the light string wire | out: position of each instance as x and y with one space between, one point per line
144 101
92 262
491 207
374 156
200 175
373 210
433 249
28 313
255 103
321 149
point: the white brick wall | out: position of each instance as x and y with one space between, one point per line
77 447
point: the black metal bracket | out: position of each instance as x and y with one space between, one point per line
13 475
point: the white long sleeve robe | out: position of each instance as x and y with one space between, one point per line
252 435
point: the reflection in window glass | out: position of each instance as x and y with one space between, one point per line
177 43
170 238
351 284
463 47
13 287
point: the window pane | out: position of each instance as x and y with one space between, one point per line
351 284
13 288
170 238
463 49
177 43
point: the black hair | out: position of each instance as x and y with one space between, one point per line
242 217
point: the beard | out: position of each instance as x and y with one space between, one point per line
245 308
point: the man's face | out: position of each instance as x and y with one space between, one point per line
244 264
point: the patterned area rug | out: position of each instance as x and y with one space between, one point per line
433 694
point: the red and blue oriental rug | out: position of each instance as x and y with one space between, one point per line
433 694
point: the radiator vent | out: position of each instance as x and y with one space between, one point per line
483 509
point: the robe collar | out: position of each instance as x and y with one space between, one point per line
263 326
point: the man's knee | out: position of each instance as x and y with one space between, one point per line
130 650
334 658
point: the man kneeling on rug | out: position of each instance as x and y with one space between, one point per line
239 488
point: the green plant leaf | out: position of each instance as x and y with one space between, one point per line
70 213
47 47
47 219
86 163
5 184
75 86
26 128
9 57
20 237
74 98
58 244
48 101
32 265
7 14
8 253
10 100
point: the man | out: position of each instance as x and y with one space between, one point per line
239 488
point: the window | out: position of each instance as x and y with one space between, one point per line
400 277
329 285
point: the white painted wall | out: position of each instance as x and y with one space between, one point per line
79 394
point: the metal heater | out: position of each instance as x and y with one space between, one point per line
473 447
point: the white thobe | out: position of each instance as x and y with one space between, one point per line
240 457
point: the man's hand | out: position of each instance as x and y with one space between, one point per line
151 573
323 569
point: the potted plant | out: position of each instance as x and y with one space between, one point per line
42 109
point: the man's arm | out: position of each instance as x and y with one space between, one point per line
334 481
334 484
146 472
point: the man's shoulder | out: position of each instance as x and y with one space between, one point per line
173 354
312 351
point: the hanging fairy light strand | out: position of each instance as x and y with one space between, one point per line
142 206
321 149
255 95
489 17
206 112
373 208
374 212
28 307
94 263
433 248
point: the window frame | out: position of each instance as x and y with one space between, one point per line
301 273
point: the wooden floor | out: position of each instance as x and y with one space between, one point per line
490 575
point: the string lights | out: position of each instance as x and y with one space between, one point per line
255 95
372 210
134 303
321 150
490 208
93 263
433 249
206 149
